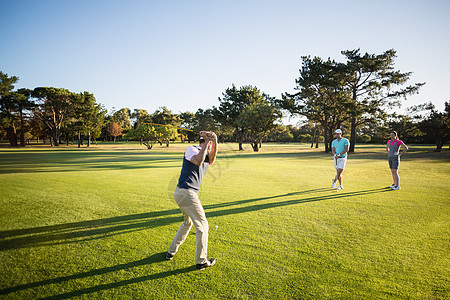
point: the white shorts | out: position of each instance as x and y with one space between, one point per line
339 163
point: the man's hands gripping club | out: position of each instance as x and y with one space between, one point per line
208 147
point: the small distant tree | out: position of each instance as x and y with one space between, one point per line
91 116
294 131
248 111
122 118
232 103
304 137
165 134
364 138
141 115
258 118
189 122
165 116
435 124
144 133
406 127
286 137
114 130
276 133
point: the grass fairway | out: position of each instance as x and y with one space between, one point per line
96 223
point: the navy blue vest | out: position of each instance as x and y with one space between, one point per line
191 175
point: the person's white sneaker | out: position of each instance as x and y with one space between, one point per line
396 188
392 185
333 185
341 187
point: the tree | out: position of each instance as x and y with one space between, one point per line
114 130
7 83
189 121
365 138
90 116
435 124
286 137
140 115
406 127
276 133
322 96
147 134
166 117
37 129
311 133
54 104
304 138
316 135
15 108
8 120
68 130
165 134
204 119
23 107
233 103
122 118
373 84
258 119
104 135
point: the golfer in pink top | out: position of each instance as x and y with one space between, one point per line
393 148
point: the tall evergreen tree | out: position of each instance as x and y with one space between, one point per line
89 115
374 85
54 106
8 119
322 96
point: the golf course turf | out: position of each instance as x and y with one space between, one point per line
97 223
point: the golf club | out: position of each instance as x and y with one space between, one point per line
136 124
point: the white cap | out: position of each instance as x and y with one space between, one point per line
338 131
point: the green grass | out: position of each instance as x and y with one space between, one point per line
96 223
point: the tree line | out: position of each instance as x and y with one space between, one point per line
357 94
353 95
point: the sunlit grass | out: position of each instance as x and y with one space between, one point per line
96 223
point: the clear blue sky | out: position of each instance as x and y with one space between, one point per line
184 54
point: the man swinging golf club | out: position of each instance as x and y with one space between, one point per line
195 162
340 148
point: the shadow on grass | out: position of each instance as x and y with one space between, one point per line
85 230
257 207
99 229
113 285
155 258
360 154
71 232
72 161
121 224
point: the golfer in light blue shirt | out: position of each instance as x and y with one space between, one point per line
340 148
